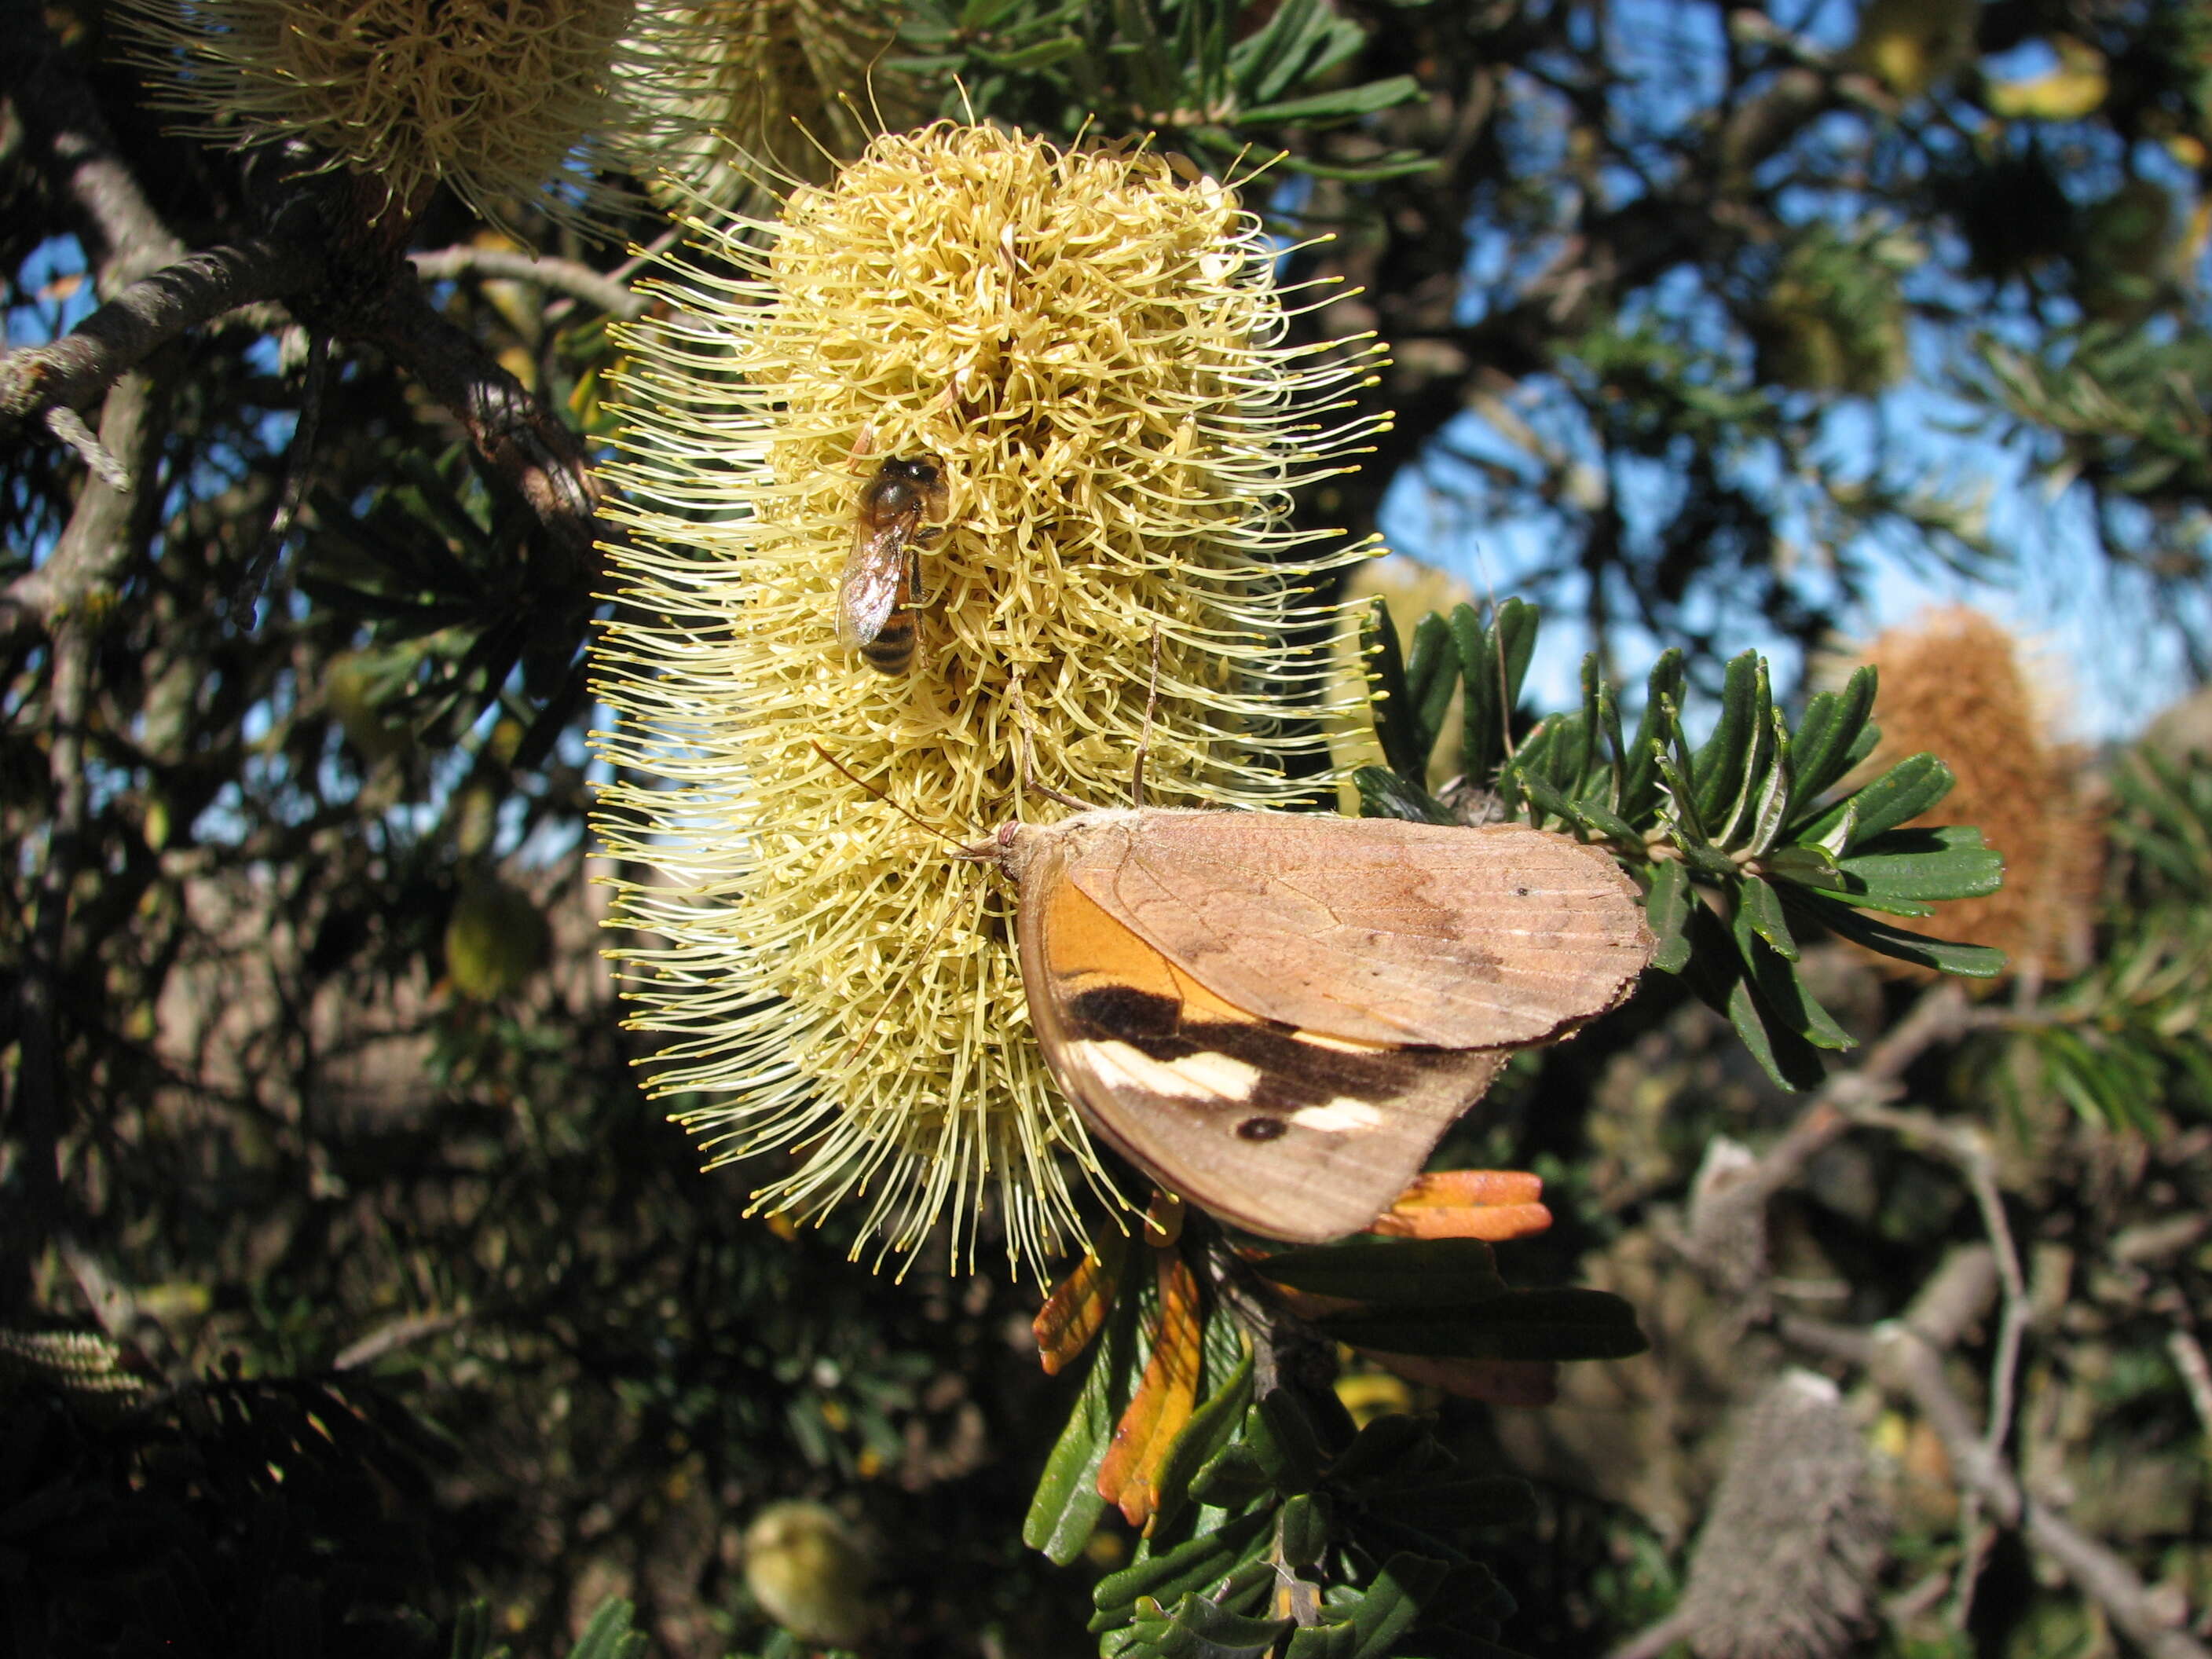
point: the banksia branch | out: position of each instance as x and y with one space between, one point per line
1090 347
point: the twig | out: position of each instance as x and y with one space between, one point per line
68 426
1942 1014
399 1334
93 548
299 455
511 429
568 276
67 139
1964 1146
1654 1640
2195 1375
1904 1356
73 371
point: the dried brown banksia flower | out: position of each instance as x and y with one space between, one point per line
1088 345
1787 1563
1952 684
507 102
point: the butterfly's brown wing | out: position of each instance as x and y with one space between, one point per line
1291 1133
1374 929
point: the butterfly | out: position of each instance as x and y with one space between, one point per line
1276 1015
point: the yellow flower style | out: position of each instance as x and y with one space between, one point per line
1090 347
506 100
786 89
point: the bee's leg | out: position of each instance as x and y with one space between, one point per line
910 580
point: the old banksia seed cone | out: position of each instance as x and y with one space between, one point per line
496 98
1089 344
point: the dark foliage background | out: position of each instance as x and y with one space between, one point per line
409 1298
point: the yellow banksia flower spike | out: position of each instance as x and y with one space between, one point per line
1090 345
507 102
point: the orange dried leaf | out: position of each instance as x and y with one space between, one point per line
1492 1223
1078 1304
1493 1205
1165 1397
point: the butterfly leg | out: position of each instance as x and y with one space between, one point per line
1145 736
1028 752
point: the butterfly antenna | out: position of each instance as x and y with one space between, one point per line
1145 736
877 792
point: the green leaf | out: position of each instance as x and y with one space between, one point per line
1777 791
1043 55
1281 1433
472 1632
1065 1508
1433 1272
1192 1565
1384 794
609 1635
1809 867
1579 777
1760 907
1915 785
1231 1478
1304 39
1945 862
1717 772
1389 701
1780 990
1603 825
1334 1638
1666 911
1493 657
1302 1530
1833 720
1608 714
1738 825
1432 679
1198 1629
1344 106
1967 961
1657 731
1717 972
1557 1324
1387 1445
1388 1608
1549 801
1788 1058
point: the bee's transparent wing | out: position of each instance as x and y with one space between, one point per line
868 591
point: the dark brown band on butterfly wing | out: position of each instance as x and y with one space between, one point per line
1271 1129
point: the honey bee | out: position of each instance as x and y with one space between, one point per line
881 589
